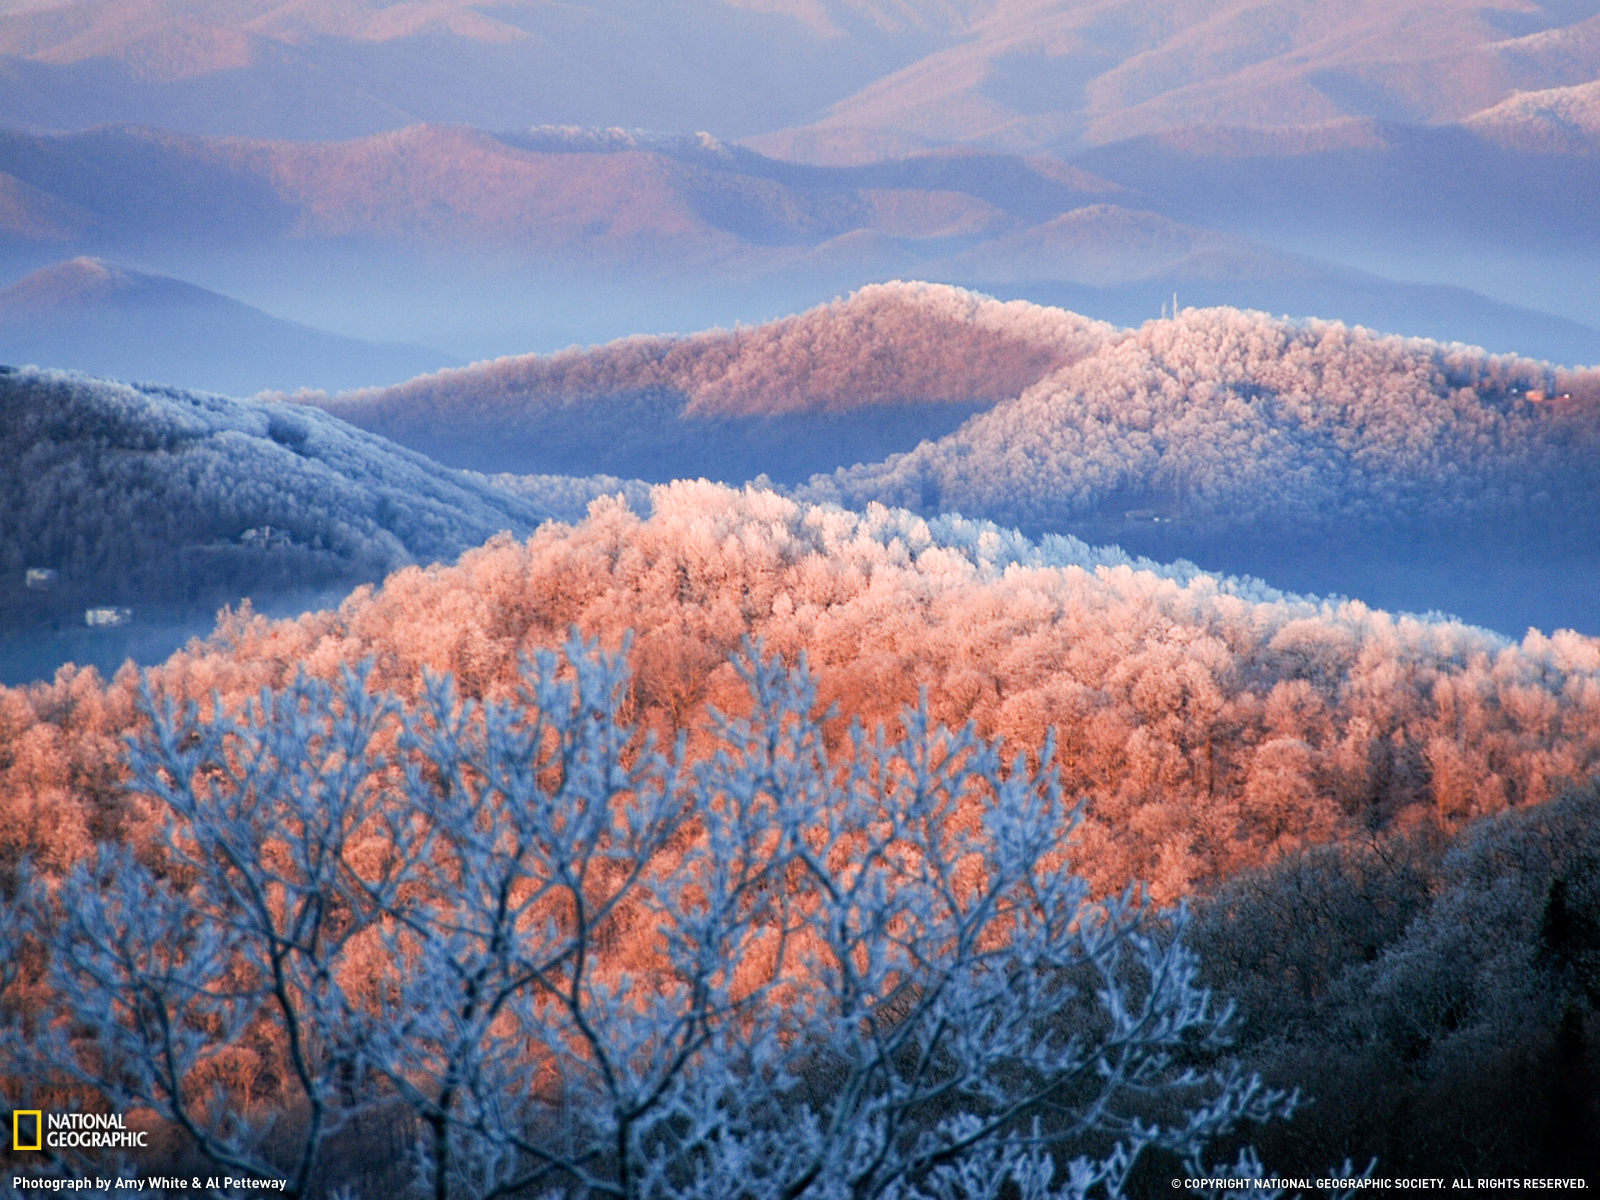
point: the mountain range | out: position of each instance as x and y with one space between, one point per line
455 237
828 80
1320 456
1189 394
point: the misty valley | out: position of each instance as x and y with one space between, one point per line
1326 461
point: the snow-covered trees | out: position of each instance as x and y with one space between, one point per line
144 491
886 343
582 964
1168 687
842 383
1225 420
1230 420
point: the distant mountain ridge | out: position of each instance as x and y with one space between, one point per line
590 196
1311 453
93 316
1325 458
316 70
1242 423
1064 76
828 80
555 209
602 195
1519 177
1558 120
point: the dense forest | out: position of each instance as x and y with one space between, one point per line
1238 423
1380 821
1381 824
142 493
1212 723
930 746
842 383
1329 458
1226 422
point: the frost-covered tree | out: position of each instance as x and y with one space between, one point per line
580 963
1166 684
216 975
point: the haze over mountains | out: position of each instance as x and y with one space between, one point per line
481 179
1447 149
1412 473
821 79
109 320
479 243
1199 395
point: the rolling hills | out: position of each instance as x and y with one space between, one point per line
1372 817
1256 587
880 371
599 196
172 502
485 244
1325 457
1213 722
1414 474
1029 77
1235 422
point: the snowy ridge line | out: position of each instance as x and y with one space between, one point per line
902 537
991 549
1229 419
144 489
886 342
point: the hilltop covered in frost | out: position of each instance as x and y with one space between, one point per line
1228 420
840 383
139 490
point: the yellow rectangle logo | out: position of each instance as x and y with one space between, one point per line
18 1127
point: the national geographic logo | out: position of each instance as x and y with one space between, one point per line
32 1129
27 1129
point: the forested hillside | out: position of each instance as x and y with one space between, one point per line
841 383
1300 769
1234 421
145 492
1212 723
1437 993
1328 458
1220 420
